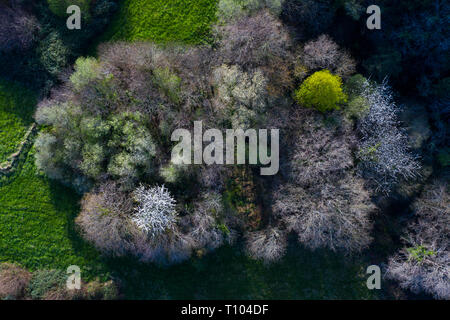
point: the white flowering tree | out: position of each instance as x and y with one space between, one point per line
383 150
156 212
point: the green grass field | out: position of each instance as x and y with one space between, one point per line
36 223
187 21
16 115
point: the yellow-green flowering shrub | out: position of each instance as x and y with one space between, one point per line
322 91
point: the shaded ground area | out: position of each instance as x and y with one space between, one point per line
16 115
228 274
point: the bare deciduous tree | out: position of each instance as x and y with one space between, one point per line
424 263
17 28
334 214
268 245
204 222
104 221
319 151
252 41
324 53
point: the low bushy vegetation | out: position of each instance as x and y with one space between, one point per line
37 47
322 90
49 284
423 264
14 281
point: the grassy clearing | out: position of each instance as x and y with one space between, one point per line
163 21
16 115
36 215
36 223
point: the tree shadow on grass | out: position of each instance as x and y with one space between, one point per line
23 100
229 274
66 201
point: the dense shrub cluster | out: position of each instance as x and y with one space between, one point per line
18 28
107 221
13 281
146 228
410 48
326 64
322 200
119 146
107 131
423 264
46 281
324 53
234 9
357 105
36 47
322 91
118 112
17 283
